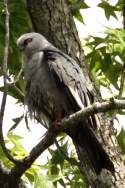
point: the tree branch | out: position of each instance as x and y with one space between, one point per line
50 136
111 104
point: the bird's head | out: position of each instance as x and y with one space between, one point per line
31 43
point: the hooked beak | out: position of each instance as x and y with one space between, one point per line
20 46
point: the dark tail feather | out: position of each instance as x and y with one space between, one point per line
88 147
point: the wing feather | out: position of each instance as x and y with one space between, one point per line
70 74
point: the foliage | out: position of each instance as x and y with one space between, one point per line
106 59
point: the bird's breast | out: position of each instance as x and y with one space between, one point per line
44 93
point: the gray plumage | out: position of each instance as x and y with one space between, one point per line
55 85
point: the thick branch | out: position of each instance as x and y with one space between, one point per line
112 104
49 139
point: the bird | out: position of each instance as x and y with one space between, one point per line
56 87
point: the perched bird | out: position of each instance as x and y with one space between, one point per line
56 87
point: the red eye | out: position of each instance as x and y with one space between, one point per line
27 41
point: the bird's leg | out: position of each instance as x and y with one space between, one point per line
55 125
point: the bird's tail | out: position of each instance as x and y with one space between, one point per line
88 148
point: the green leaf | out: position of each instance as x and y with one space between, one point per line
113 74
42 181
121 112
29 175
78 16
78 5
54 169
54 178
18 150
58 156
121 140
16 122
75 6
106 63
14 138
109 9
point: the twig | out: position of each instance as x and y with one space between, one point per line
18 76
20 72
50 136
18 91
16 79
10 85
4 98
13 84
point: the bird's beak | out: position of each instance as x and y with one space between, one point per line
20 46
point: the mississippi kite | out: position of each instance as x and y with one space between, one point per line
56 87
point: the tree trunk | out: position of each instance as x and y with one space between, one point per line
54 20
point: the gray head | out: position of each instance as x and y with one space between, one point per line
31 43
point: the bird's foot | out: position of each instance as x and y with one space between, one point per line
55 125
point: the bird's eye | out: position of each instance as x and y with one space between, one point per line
27 41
